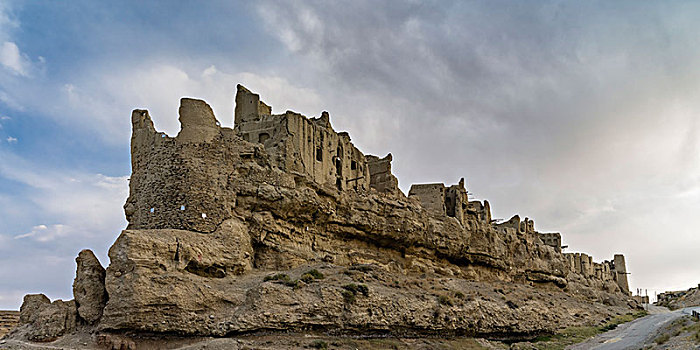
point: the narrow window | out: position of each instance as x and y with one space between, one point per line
319 154
338 167
353 165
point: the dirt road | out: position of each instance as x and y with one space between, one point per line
635 334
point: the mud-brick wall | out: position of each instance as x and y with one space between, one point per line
182 182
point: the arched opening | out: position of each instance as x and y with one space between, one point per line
263 136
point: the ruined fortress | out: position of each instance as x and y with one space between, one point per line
227 224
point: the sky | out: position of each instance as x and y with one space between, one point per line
581 115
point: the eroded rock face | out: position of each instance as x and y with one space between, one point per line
155 295
42 320
89 287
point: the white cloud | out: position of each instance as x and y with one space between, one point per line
13 59
7 21
11 139
10 101
43 233
83 203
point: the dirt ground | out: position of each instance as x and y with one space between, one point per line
261 342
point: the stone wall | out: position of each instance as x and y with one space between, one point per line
552 239
300 145
607 271
451 201
381 178
431 196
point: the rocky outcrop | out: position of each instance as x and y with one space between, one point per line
42 320
679 299
89 287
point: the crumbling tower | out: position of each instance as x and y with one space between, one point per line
621 273
450 201
303 146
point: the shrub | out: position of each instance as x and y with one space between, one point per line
319 344
311 275
316 274
361 268
277 277
284 279
351 291
307 278
357 288
445 300
607 327
348 296
291 283
662 339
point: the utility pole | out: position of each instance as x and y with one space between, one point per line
646 292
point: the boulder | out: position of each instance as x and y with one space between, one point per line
89 287
31 306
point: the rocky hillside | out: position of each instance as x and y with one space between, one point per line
680 299
8 321
228 236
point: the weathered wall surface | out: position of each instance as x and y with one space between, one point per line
304 146
381 178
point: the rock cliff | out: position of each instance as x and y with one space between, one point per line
281 223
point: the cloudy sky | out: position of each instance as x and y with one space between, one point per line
583 115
